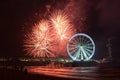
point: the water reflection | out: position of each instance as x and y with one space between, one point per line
96 73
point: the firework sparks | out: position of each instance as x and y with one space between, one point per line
38 43
49 36
61 22
63 28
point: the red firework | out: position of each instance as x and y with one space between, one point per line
63 29
49 37
39 43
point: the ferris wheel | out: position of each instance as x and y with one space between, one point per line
81 47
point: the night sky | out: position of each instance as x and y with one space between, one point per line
98 18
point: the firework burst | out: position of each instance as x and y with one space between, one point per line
63 28
39 43
49 37
60 21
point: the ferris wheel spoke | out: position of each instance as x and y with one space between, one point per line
85 40
83 51
77 40
81 54
88 50
72 48
88 47
82 39
72 45
72 42
73 51
77 54
87 53
88 41
89 44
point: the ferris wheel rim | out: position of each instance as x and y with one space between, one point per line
84 35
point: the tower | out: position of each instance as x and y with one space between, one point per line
109 46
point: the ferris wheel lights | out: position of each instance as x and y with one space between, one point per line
81 47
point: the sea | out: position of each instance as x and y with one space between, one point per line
105 72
